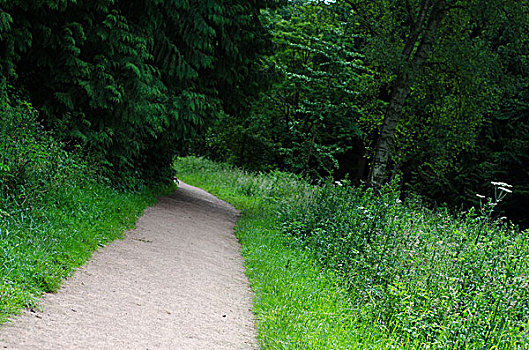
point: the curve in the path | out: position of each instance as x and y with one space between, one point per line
175 282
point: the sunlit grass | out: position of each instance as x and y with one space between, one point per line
298 305
337 267
42 245
54 210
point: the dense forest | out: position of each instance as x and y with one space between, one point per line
432 92
130 82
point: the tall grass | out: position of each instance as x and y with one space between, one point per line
343 267
430 279
53 211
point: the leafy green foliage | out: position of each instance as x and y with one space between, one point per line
459 120
427 277
132 82
307 120
471 151
31 161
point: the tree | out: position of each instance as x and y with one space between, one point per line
307 120
448 72
131 81
401 39
419 26
494 123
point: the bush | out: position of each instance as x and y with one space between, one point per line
32 163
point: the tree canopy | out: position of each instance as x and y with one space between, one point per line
131 81
433 92
430 91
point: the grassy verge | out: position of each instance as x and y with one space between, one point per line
338 267
298 305
53 211
41 246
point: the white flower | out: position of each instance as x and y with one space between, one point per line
480 196
505 189
501 184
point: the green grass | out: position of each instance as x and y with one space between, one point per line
298 305
54 212
41 246
338 267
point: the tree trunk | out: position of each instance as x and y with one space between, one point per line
311 146
378 173
401 88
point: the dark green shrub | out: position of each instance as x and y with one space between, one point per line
132 82
32 162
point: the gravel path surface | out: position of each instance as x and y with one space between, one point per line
175 282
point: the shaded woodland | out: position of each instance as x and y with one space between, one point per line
433 92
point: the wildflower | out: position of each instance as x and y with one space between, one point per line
501 184
505 189
480 195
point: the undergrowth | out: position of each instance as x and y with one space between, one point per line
342 267
54 211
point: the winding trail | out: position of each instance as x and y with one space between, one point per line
175 282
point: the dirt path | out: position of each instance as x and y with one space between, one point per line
175 282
